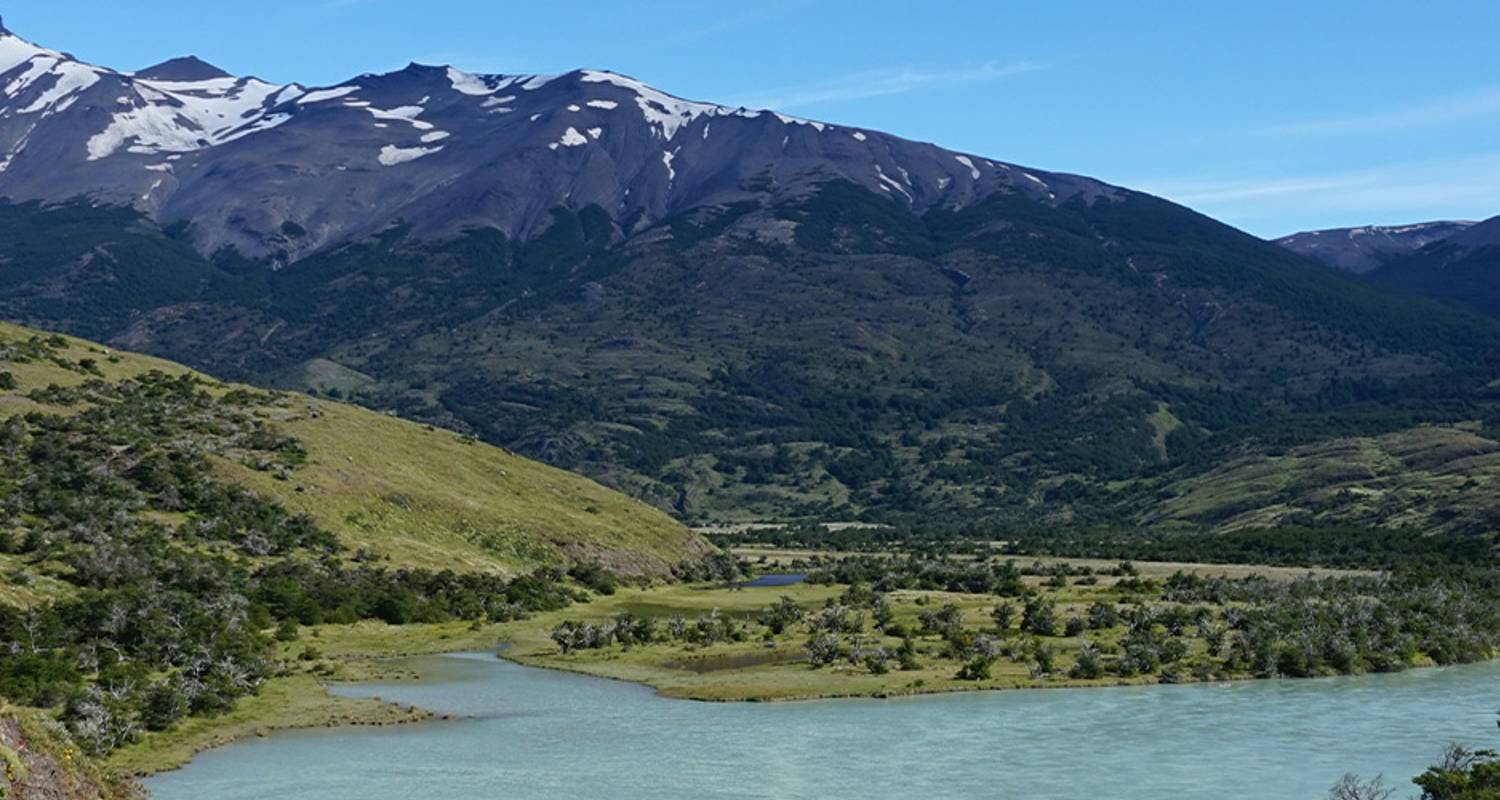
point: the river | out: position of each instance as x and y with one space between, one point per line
542 734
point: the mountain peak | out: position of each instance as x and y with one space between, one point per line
186 68
4 31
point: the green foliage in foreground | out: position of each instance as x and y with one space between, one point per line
1461 773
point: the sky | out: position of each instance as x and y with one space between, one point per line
1273 116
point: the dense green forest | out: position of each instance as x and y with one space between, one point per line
1011 364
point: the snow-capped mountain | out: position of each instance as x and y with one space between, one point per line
284 170
1365 249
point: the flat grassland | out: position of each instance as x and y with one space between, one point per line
757 670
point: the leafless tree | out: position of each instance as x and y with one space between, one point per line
1350 787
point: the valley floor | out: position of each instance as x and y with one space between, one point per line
760 670
757 667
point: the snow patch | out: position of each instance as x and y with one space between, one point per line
391 155
570 138
323 95
69 79
596 132
664 113
789 120
888 183
15 51
435 136
966 161
858 137
465 83
607 105
407 114
180 116
666 159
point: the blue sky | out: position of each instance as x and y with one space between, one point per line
1273 116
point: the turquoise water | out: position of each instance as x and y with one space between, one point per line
542 734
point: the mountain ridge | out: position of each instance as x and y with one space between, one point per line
242 160
1366 248
1463 269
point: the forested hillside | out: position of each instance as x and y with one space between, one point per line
160 530
1014 363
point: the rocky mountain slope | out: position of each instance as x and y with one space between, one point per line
285 170
1457 262
1462 269
727 313
1365 249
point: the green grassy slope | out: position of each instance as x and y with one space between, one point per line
1433 479
39 760
415 495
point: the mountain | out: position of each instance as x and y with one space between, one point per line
1452 261
1365 249
727 313
1462 269
285 170
1456 262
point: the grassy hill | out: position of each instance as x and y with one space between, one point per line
413 495
165 537
1432 479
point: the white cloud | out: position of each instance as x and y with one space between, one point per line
1445 110
877 83
1402 192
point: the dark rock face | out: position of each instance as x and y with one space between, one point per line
242 160
187 68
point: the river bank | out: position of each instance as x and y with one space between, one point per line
320 657
716 643
524 732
